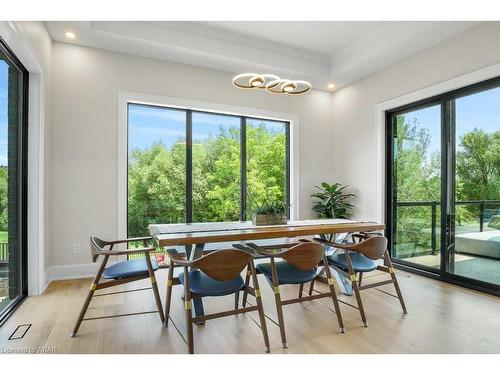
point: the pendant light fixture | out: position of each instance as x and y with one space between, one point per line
271 82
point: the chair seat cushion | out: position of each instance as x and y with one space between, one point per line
287 273
128 268
360 263
202 284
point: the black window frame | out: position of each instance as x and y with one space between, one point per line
22 184
446 101
243 156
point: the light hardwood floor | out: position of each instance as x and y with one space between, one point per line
441 318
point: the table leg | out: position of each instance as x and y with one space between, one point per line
197 301
343 282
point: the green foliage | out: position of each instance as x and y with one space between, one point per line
333 202
266 165
216 177
478 166
3 199
157 178
272 208
156 187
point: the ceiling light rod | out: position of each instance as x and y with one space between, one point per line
271 83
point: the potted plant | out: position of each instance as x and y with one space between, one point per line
274 213
332 202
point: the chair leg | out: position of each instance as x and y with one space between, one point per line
311 287
301 289
188 312
279 309
334 297
236 300
355 287
154 286
245 291
89 296
168 299
258 299
388 261
360 278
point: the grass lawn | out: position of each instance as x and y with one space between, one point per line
4 237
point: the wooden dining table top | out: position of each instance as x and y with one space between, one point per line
200 233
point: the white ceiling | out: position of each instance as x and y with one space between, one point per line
320 52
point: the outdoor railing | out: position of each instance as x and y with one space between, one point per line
4 251
435 204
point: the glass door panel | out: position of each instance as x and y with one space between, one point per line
475 250
416 168
13 80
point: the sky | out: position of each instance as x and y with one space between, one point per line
148 124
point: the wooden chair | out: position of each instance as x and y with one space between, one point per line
213 275
120 273
361 257
300 265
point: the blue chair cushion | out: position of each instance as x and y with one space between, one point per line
128 268
204 285
287 273
360 263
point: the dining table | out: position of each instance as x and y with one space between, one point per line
197 238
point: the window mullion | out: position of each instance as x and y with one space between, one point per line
189 166
243 168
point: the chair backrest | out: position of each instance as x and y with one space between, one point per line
96 247
373 247
305 256
224 265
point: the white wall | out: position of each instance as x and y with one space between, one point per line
83 135
355 153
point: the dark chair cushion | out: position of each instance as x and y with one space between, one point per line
128 268
204 285
360 263
287 273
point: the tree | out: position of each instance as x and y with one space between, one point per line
478 166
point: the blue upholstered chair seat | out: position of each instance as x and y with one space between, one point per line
202 284
360 263
128 268
287 273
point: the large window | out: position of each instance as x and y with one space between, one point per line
443 202
192 166
13 169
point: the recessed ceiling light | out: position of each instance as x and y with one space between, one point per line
331 86
70 35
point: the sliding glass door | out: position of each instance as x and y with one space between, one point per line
416 196
13 93
443 185
476 221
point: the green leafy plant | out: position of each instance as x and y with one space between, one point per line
332 201
272 208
